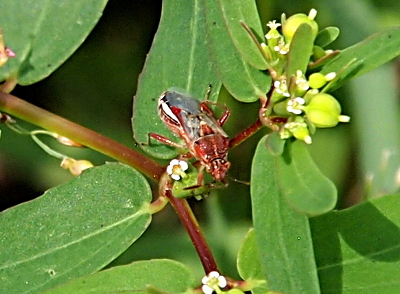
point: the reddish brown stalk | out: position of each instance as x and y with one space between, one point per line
247 133
63 127
190 223
192 227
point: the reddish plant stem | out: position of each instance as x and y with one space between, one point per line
192 227
63 127
247 133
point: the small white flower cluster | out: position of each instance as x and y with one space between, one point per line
213 282
176 169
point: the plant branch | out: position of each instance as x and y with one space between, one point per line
247 133
192 227
63 127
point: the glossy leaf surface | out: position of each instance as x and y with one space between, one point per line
43 34
234 12
303 185
242 80
179 58
146 276
326 36
300 50
73 229
357 249
365 56
282 234
249 265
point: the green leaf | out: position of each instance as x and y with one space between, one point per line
357 249
300 50
275 144
303 185
326 36
146 276
245 11
178 57
365 56
243 81
282 234
249 265
73 229
43 34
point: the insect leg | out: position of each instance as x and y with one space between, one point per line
224 117
164 140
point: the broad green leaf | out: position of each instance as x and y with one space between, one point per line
300 50
303 185
243 81
357 249
235 12
43 34
73 229
282 234
275 144
146 276
326 36
365 56
178 58
249 265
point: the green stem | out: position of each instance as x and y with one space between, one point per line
54 123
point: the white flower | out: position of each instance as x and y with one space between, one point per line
273 25
301 81
281 88
294 105
213 281
176 169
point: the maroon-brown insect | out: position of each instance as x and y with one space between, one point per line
195 123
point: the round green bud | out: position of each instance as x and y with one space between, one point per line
318 52
316 80
299 129
281 108
292 24
323 111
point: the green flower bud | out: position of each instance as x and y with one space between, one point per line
324 111
281 108
292 23
317 80
309 94
299 130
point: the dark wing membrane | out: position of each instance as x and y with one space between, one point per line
209 126
186 103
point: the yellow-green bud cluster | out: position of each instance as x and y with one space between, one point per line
307 111
292 24
299 99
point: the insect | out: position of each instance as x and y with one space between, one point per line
195 123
